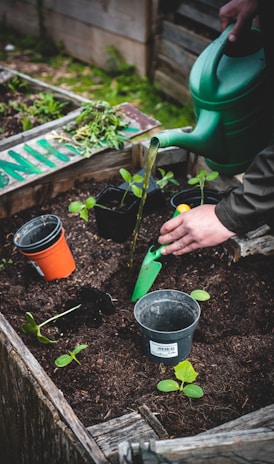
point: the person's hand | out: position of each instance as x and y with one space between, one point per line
196 228
242 12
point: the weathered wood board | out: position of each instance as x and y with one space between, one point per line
96 25
228 447
37 424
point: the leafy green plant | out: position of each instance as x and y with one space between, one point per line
47 107
167 177
65 359
82 208
4 262
32 328
98 125
200 179
186 374
16 84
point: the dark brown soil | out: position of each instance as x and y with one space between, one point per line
232 347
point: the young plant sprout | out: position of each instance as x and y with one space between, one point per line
186 374
65 359
4 262
202 177
32 328
200 295
82 208
167 177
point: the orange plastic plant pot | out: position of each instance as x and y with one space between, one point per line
55 262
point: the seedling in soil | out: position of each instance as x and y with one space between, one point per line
167 177
202 177
4 262
65 359
200 295
32 328
82 208
186 374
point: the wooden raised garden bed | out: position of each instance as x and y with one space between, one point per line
38 425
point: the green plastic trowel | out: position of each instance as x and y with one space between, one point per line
150 266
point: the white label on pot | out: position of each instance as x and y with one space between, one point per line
38 269
163 351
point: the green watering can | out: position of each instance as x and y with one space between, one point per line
231 92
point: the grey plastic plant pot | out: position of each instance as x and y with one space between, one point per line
38 234
167 320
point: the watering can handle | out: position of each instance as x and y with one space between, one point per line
209 80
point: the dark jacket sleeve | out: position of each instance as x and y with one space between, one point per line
251 204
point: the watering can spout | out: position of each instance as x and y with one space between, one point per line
206 139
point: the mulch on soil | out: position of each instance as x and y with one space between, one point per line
232 347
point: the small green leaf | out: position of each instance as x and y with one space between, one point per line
90 202
168 385
63 360
84 214
200 295
137 178
45 340
193 181
212 176
137 191
125 175
79 348
185 372
193 391
75 207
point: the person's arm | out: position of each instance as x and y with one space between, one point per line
251 204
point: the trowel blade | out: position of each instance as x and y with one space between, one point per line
146 278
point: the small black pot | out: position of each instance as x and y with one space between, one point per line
192 197
116 223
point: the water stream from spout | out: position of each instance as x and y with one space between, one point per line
151 156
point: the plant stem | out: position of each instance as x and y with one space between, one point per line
59 315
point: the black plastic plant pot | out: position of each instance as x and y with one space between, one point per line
192 197
113 221
38 234
155 198
167 320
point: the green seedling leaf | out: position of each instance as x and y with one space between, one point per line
84 214
185 372
137 191
212 176
193 391
125 175
65 359
32 328
168 386
75 206
137 178
200 295
90 202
